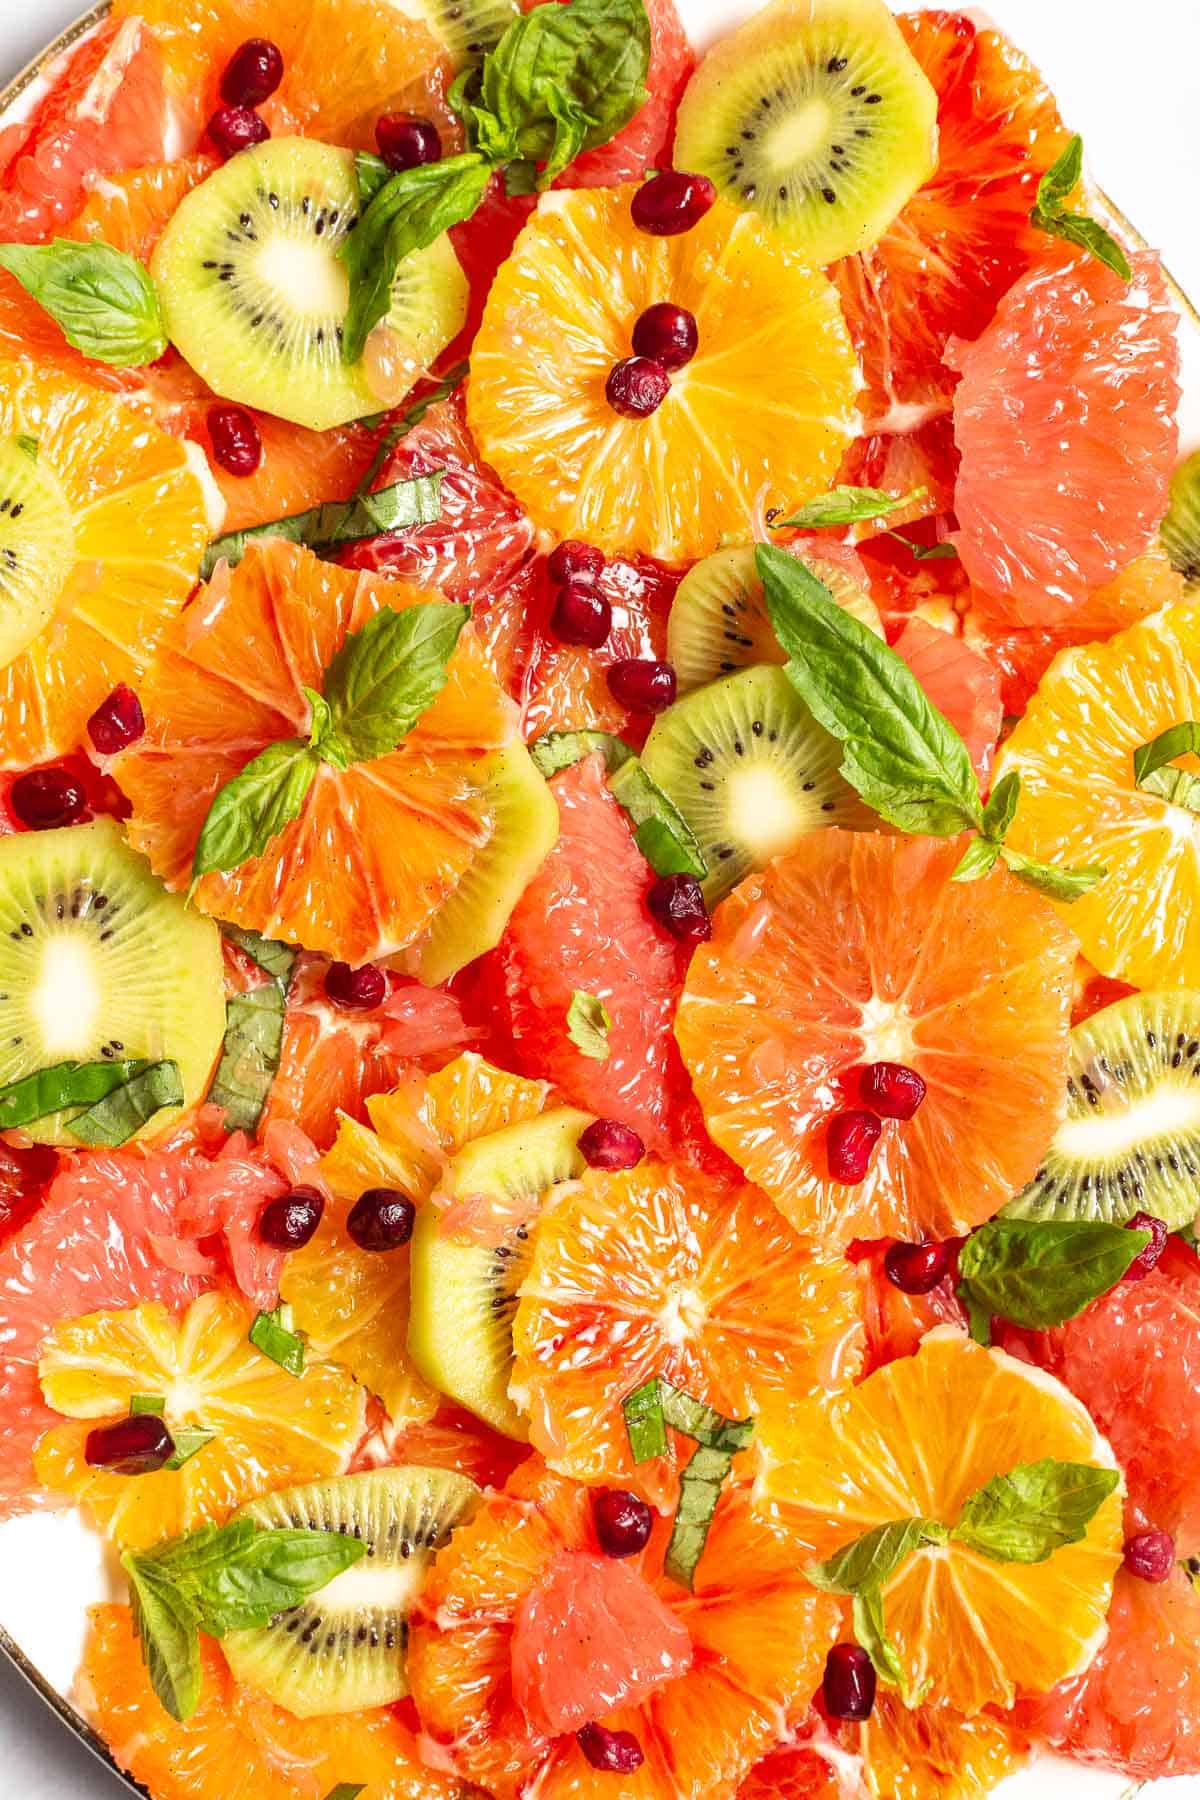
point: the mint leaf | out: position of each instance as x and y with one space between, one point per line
871 1560
412 415
273 1334
847 506
663 835
979 858
869 1629
558 750
249 1055
102 299
255 806
385 676
337 522
1050 215
588 1025
169 1635
1028 1514
114 1120
1045 878
1039 1274
64 1085
1152 769
900 753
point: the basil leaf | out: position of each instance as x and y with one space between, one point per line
1050 215
413 502
699 1491
102 299
114 1120
28 444
249 1055
904 758
189 1441
386 675
663 835
869 1629
320 727
871 1560
347 1790
147 1403
276 959
645 1426
1061 178
412 415
924 552
187 1558
847 506
167 1630
1057 884
648 1411
272 1333
1152 769
371 173
275 1570
255 806
1028 1514
682 1412
979 858
1039 1274
588 1025
558 750
1001 808
66 1084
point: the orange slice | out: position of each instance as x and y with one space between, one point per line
765 408
916 1440
272 1427
918 1753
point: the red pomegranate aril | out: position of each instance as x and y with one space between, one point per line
381 1219
252 73
848 1686
642 686
290 1221
581 615
44 799
357 990
1150 1555
849 1145
637 387
672 201
117 722
892 1090
615 1752
237 445
571 558
623 1522
134 1446
677 903
234 128
916 1268
607 1144
1146 1259
407 143
667 333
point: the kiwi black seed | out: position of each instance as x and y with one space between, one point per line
1130 1141
468 28
751 771
816 114
343 1649
1180 530
37 543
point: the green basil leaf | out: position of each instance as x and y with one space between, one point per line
275 959
274 1571
869 1629
114 1120
347 1790
645 1426
169 1636
272 1333
1061 178
249 1056
64 1085
337 522
386 675
978 859
558 750
847 506
321 724
372 173
520 180
1039 1274
1057 884
900 753
925 552
412 415
255 806
1001 808
699 1491
588 1025
189 1441
182 1559
664 836
682 1412
102 299
28 444
1089 235
147 1403
871 1560
1152 769
648 1411
1028 1514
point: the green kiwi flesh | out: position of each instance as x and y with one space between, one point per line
468 28
99 962
463 1294
816 114
1130 1141
524 831
751 771
719 621
37 544
344 1648
1180 530
255 297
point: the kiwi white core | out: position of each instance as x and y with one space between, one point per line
316 285
67 998
771 814
1169 1113
369 1584
799 137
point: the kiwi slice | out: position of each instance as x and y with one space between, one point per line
1180 530
719 620
98 962
37 544
255 296
463 1295
751 771
816 114
468 28
525 830
343 1649
1131 1139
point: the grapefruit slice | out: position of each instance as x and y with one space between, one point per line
645 141
960 682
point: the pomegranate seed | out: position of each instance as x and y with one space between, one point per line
892 1090
1150 1555
234 128
616 1752
641 685
667 333
573 558
252 73
44 799
581 615
1146 1259
677 902
637 387
916 1268
853 1136
358 990
848 1687
407 143
607 1144
381 1219
672 201
135 1446
236 443
288 1222
117 722
623 1522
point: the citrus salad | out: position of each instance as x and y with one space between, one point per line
600 901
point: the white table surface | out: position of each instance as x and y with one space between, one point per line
1127 74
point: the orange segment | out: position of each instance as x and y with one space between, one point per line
916 1440
753 414
920 1753
856 948
271 1427
664 1271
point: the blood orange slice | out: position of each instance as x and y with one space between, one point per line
919 1753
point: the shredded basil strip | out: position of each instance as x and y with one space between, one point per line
412 415
649 1410
1152 770
250 1055
67 1084
272 1333
337 522
114 1120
